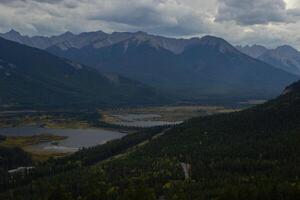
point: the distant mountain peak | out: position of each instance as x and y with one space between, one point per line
141 36
93 33
283 57
286 49
222 45
258 45
144 38
140 33
13 32
68 33
254 51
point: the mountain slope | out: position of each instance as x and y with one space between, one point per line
283 57
207 68
170 64
31 77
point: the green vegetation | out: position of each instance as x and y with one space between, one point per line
48 119
251 154
23 141
167 113
60 119
2 138
11 158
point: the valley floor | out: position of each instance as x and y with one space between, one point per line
123 120
163 113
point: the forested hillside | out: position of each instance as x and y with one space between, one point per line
252 154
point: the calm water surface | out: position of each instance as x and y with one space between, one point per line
77 138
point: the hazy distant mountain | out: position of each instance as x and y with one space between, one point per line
206 68
283 57
31 77
36 41
254 51
96 39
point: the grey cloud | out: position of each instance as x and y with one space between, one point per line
230 19
70 4
170 17
48 1
251 12
294 12
159 16
26 1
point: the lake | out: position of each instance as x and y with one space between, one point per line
77 138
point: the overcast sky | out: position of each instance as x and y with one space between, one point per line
267 22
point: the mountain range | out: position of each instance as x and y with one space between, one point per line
249 154
283 57
31 77
97 39
206 69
